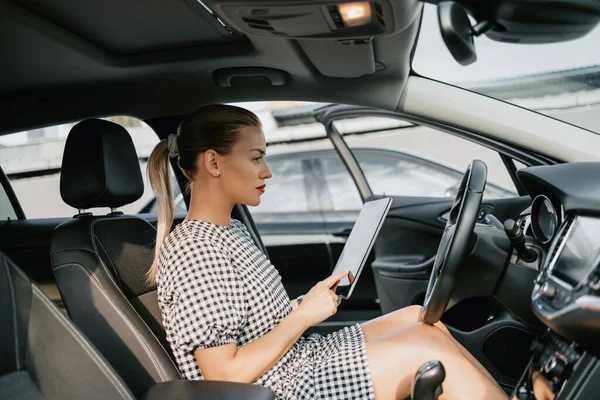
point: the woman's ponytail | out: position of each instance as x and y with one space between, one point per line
159 173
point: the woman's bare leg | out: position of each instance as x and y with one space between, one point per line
378 328
395 358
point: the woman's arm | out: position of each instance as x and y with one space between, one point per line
248 362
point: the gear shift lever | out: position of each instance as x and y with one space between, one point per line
427 383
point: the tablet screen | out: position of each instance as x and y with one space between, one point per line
359 243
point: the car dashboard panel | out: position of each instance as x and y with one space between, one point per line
563 226
565 221
566 296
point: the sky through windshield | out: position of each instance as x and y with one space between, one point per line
558 79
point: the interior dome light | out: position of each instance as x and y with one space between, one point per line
355 14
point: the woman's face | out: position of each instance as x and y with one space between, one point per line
244 171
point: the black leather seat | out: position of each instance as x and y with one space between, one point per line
43 356
100 262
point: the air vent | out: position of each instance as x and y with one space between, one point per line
561 237
336 17
261 24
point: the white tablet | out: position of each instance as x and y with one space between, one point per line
359 243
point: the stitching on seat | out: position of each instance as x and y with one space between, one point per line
152 333
14 307
133 308
125 319
84 344
92 226
112 263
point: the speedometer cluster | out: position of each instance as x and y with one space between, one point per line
545 220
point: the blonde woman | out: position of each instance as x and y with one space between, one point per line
228 317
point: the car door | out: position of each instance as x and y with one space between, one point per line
406 246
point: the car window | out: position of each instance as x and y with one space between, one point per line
7 210
395 175
32 161
342 189
286 190
178 201
422 161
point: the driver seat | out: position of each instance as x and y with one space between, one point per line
100 262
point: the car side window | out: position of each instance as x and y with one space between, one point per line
7 211
286 190
413 160
342 189
32 161
395 175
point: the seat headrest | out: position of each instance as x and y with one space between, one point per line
100 166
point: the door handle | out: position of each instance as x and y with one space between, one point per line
403 267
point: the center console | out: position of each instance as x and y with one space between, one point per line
566 298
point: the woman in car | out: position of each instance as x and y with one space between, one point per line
226 313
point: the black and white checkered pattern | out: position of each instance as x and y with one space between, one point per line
216 287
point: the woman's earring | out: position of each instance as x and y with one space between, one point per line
218 173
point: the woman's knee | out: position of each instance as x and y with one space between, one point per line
395 359
415 311
410 314
418 338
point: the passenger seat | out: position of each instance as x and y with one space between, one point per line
43 355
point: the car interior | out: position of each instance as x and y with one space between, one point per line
515 279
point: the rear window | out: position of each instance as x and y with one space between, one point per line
32 161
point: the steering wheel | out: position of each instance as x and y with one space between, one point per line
455 242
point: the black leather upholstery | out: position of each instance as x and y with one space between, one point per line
43 355
100 167
100 262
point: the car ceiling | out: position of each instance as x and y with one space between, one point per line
65 60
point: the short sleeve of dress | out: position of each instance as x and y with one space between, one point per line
209 301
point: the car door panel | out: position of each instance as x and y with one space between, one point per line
406 246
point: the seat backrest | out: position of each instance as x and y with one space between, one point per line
100 262
44 356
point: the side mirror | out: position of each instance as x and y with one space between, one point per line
456 32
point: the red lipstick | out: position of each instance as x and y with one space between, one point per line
261 188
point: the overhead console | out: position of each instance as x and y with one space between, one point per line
337 36
322 20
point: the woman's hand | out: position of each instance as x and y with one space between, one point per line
321 302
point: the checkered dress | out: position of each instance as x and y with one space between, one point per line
216 287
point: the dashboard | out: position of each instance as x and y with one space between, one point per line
565 223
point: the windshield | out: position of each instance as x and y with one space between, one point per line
561 80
